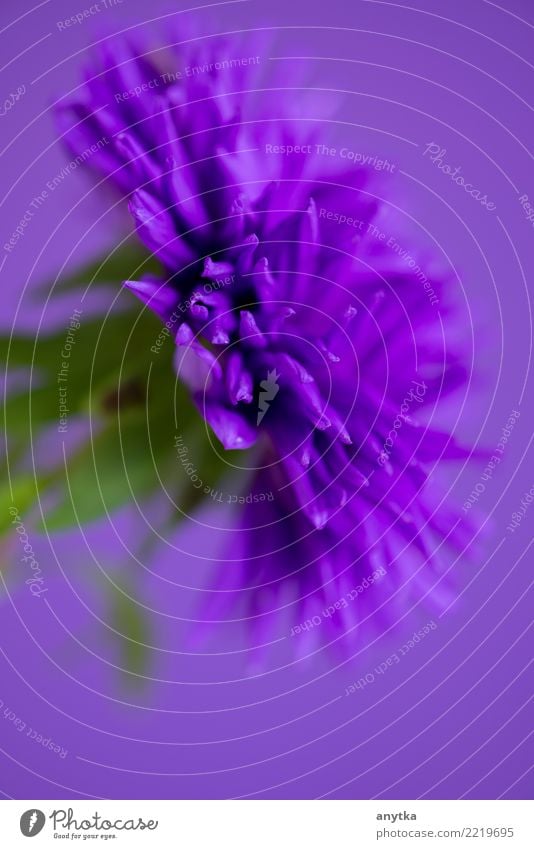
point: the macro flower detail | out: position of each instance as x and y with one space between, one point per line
303 327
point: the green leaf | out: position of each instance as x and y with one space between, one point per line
24 413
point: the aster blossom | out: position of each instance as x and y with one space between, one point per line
299 328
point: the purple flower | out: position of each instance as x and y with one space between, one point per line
304 325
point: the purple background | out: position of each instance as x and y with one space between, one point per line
452 719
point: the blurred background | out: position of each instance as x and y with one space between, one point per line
103 692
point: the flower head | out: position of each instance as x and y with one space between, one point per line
303 325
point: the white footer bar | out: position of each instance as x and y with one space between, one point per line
270 824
